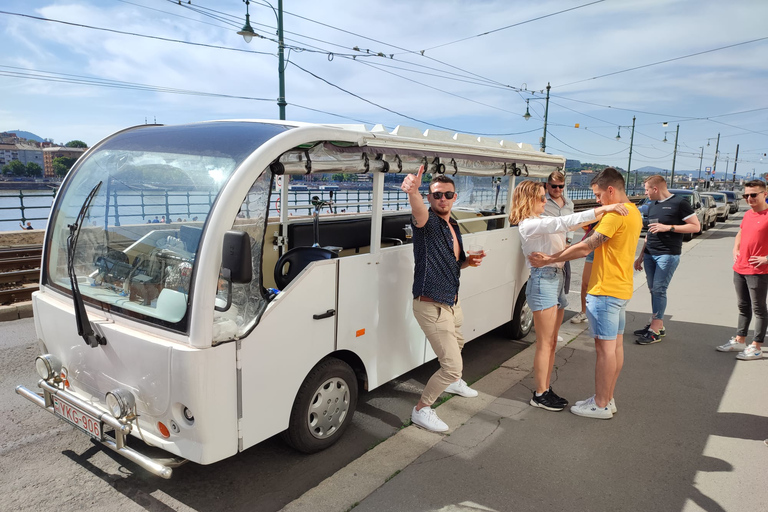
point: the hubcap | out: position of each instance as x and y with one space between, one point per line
526 318
328 409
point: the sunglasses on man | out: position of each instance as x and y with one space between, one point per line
555 186
439 195
752 195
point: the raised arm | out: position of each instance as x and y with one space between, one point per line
579 250
410 186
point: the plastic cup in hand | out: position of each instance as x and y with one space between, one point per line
475 250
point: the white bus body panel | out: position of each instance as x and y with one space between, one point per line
162 372
382 332
279 353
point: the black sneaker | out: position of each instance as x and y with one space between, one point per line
641 332
648 338
546 401
556 398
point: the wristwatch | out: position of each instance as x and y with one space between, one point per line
672 229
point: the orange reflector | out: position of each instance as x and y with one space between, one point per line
576 125
163 430
64 378
359 332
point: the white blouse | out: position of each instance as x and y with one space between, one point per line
543 234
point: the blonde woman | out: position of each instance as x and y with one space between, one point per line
544 291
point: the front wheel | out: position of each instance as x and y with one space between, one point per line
323 408
522 320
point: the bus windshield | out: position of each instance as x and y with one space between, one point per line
140 236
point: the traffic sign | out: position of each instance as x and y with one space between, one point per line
708 169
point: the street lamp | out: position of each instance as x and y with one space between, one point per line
527 116
248 34
674 154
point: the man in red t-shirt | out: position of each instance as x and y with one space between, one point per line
750 274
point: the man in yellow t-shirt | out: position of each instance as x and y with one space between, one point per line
614 241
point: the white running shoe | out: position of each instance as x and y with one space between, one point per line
589 409
611 404
559 339
579 318
731 346
749 353
460 388
427 418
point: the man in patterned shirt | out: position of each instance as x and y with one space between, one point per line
439 257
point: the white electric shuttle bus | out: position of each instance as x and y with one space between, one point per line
159 315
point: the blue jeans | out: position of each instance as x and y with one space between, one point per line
545 289
607 316
658 271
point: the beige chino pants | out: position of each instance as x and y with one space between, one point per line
442 325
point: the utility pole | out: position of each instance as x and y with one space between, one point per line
717 152
735 163
546 112
281 60
674 157
701 158
629 164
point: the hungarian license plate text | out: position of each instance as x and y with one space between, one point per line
82 420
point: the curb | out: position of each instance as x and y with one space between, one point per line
16 311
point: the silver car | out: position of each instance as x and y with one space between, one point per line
723 208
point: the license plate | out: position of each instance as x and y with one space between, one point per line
79 418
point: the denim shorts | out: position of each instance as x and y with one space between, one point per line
545 289
590 257
606 315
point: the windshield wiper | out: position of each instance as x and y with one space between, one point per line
84 327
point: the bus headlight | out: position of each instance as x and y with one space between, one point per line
120 402
48 366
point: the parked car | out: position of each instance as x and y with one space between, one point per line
693 197
721 200
734 200
710 207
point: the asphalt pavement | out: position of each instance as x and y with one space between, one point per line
688 434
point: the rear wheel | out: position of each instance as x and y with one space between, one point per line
323 408
522 319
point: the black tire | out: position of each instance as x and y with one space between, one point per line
687 237
323 408
522 318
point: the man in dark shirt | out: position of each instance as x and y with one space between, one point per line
669 217
439 256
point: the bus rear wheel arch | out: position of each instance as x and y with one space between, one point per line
323 407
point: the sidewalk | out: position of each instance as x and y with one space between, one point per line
688 434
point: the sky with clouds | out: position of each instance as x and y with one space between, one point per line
697 63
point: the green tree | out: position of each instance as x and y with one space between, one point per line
34 170
14 168
62 165
76 144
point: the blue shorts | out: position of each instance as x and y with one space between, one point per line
606 315
590 257
545 289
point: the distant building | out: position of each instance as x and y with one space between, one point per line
25 152
51 153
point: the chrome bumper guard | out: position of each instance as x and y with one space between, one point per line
159 467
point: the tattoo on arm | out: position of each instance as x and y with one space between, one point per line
596 240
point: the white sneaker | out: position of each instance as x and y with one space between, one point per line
731 346
559 339
460 388
749 353
589 409
611 404
580 318
427 418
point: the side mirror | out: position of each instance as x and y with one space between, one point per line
236 265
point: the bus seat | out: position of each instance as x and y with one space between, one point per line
294 261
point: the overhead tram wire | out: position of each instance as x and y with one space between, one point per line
583 152
664 61
395 111
166 39
179 15
512 26
51 76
